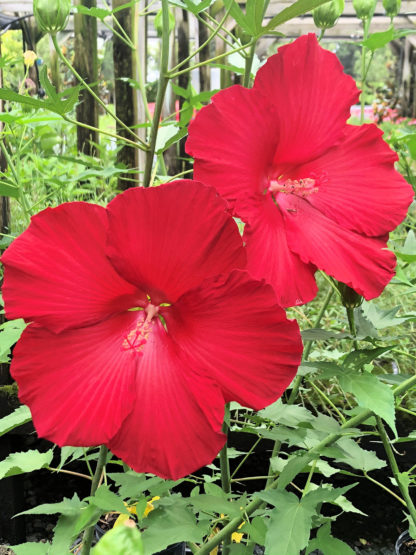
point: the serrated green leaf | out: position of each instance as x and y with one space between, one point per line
256 529
290 523
122 540
254 13
317 334
371 394
364 326
19 463
294 466
63 535
296 9
349 452
168 525
197 7
381 318
99 13
327 544
72 453
46 84
107 500
357 359
17 418
68 507
408 251
8 190
321 495
289 415
213 504
8 94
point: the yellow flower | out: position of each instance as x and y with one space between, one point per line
29 58
149 506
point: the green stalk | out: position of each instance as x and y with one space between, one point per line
89 532
160 96
366 25
352 326
298 380
225 473
249 509
249 59
403 487
92 93
22 196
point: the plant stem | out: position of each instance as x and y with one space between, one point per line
352 326
89 532
10 164
246 457
403 486
160 95
248 65
225 472
385 489
366 24
249 509
92 93
69 472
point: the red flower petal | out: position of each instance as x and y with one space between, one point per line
232 329
270 258
312 97
233 141
363 263
175 426
79 384
169 238
361 189
57 274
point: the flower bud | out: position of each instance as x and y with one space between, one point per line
364 8
392 7
51 15
349 297
327 15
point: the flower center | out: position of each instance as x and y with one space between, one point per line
137 338
299 187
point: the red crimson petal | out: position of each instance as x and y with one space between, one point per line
233 141
362 263
311 96
169 238
233 330
269 257
175 426
361 190
79 384
57 273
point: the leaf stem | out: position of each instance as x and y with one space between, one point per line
225 472
403 487
89 532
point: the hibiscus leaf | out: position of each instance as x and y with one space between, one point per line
349 452
10 332
254 13
99 13
63 536
379 40
408 251
289 415
236 13
381 318
121 540
19 463
68 507
290 523
371 394
357 359
17 418
107 500
30 548
296 9
170 524
327 544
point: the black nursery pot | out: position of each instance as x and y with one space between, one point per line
402 546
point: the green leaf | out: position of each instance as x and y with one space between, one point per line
239 16
254 13
31 548
289 415
296 9
10 333
294 466
46 84
256 529
408 251
67 507
107 500
71 453
169 135
100 13
328 544
371 394
324 495
19 463
17 418
213 504
168 525
349 452
381 318
290 523
365 327
197 7
63 535
317 334
357 359
379 40
121 540
8 94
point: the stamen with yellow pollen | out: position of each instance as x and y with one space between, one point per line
299 187
137 338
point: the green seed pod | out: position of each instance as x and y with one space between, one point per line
364 8
326 16
392 7
349 297
51 15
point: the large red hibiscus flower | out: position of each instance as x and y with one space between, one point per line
142 325
314 191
